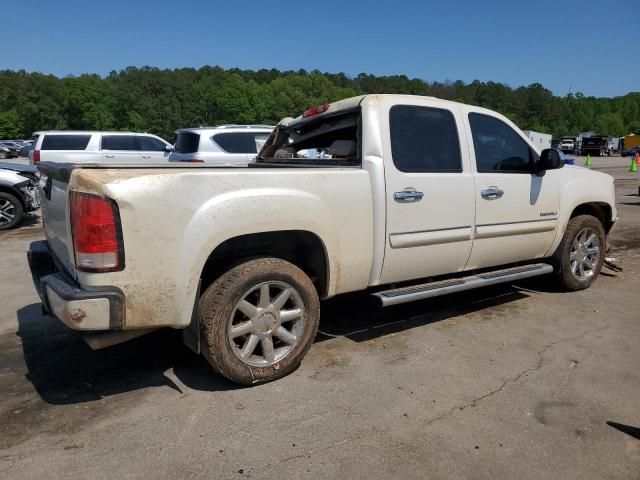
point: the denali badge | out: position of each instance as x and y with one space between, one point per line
548 214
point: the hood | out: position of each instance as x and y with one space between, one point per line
18 167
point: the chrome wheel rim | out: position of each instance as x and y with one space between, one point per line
7 212
266 324
585 254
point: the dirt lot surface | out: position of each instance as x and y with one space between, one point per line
516 381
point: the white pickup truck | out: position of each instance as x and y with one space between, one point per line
405 197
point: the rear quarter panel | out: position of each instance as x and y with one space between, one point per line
173 220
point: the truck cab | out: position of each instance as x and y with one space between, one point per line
567 145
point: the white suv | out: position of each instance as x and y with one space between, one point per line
98 147
225 144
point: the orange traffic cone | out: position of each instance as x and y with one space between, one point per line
634 163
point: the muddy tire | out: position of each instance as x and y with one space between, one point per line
258 320
580 254
10 211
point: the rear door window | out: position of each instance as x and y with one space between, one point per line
65 142
235 142
119 142
424 139
187 142
151 144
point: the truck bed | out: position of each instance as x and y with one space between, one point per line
174 216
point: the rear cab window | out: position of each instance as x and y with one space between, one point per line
327 140
187 142
65 142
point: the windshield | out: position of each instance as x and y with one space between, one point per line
328 140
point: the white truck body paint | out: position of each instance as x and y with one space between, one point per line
173 217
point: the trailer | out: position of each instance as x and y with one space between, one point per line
540 140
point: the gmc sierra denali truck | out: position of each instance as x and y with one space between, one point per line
405 197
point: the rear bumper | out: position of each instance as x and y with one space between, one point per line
78 308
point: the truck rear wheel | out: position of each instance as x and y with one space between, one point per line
258 320
580 255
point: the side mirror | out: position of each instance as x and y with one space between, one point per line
550 159
168 148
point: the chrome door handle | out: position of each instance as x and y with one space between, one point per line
408 196
109 156
492 193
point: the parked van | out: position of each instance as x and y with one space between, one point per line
98 147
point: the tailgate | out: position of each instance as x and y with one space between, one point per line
54 198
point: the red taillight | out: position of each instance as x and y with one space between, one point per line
36 156
316 110
96 235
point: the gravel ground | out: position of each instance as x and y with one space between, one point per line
516 381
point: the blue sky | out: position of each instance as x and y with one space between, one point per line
588 46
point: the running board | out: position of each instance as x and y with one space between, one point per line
443 287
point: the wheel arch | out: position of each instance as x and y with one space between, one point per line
600 210
302 248
15 192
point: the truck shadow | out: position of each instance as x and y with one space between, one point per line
358 318
64 370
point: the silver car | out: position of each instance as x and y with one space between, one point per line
18 193
224 145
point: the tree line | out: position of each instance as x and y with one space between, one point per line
160 101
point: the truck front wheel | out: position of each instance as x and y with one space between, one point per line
581 253
258 320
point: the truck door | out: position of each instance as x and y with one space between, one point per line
430 190
516 210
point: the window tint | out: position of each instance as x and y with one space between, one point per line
119 142
187 142
424 139
498 147
65 142
235 142
151 144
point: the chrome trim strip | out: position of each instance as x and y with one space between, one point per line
515 228
430 237
513 223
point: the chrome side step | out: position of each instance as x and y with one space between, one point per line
435 289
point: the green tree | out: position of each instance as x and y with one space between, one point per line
11 125
161 101
610 124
